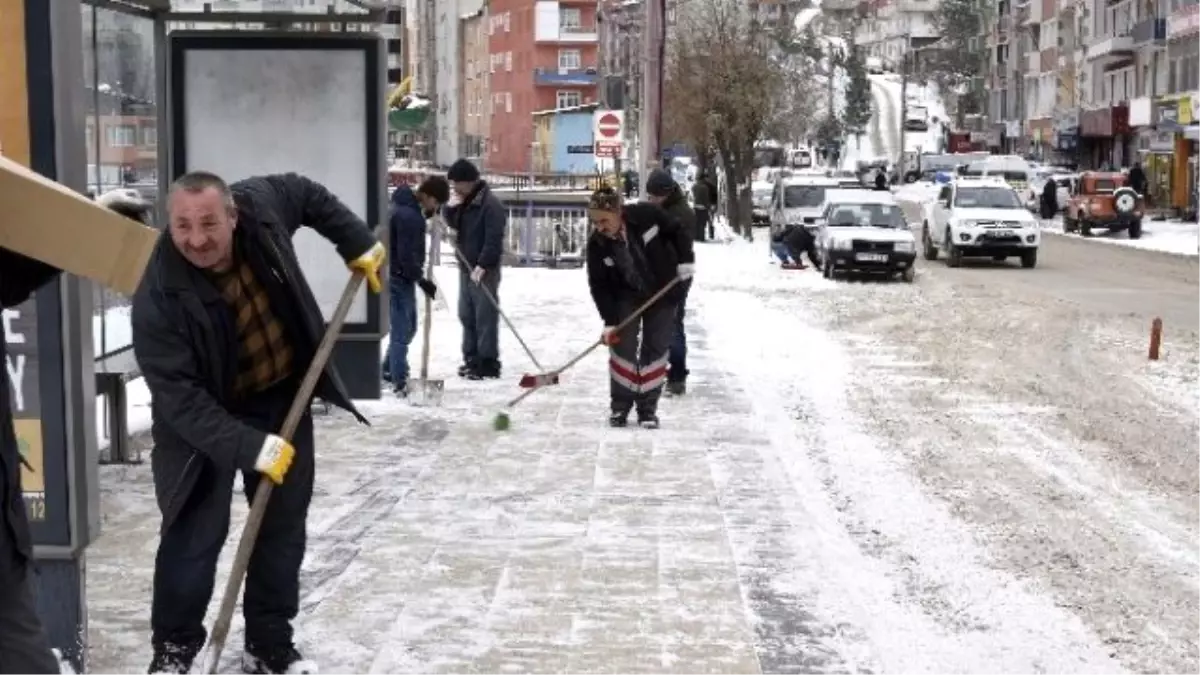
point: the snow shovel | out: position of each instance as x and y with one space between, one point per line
430 391
258 508
502 422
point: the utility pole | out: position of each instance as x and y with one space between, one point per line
652 76
905 59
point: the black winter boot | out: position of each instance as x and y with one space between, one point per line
465 369
488 369
173 658
676 388
281 659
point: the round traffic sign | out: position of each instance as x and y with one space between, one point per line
609 125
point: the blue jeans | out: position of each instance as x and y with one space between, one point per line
781 251
677 353
404 327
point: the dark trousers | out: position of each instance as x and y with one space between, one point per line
186 565
702 227
24 647
403 308
638 370
782 252
677 360
479 318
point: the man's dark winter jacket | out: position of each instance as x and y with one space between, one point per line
407 236
1137 179
19 278
185 337
480 221
677 207
653 237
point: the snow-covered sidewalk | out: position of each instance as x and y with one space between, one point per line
737 538
1166 236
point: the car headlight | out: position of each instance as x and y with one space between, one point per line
905 247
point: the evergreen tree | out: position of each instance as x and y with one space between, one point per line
858 93
959 57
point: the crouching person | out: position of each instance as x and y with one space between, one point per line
224 329
634 252
789 243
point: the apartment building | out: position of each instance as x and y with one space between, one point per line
474 114
1007 45
542 56
891 28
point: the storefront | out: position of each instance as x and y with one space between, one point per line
1152 149
1104 138
1176 125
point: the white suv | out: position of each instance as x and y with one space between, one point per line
979 218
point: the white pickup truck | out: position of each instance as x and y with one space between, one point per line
981 217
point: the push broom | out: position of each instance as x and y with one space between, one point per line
502 421
258 508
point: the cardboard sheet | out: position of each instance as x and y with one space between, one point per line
50 222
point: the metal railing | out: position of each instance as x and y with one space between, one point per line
546 237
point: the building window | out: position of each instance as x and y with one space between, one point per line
508 61
149 137
569 59
568 99
508 101
570 19
120 136
507 21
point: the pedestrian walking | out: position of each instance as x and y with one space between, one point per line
1048 203
407 271
634 251
479 221
702 204
224 327
24 647
664 192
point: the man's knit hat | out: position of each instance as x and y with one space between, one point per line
660 183
463 171
605 199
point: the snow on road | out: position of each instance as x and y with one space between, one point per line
777 522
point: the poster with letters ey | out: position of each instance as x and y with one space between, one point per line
20 338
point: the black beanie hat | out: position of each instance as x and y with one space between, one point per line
463 171
660 183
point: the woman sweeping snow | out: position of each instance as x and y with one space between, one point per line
634 251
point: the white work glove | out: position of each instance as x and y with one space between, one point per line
477 274
609 336
686 270
274 458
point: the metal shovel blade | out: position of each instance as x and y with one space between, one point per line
426 392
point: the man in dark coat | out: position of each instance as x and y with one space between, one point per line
23 644
1137 178
1048 206
790 242
664 192
479 220
881 181
702 203
224 328
634 252
407 265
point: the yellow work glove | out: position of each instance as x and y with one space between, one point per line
369 264
274 458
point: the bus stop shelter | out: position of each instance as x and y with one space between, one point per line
104 94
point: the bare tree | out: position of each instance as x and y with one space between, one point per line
726 83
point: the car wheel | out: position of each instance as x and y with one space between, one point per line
953 253
930 252
1029 259
909 274
1085 228
827 269
1135 229
1070 225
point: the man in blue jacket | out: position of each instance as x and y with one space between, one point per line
407 256
479 221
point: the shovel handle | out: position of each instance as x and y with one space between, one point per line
258 508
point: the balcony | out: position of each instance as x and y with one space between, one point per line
1150 30
1033 63
1111 47
577 34
566 77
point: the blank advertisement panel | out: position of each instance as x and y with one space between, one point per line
252 104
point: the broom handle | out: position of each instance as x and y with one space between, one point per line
620 327
528 352
262 493
427 320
